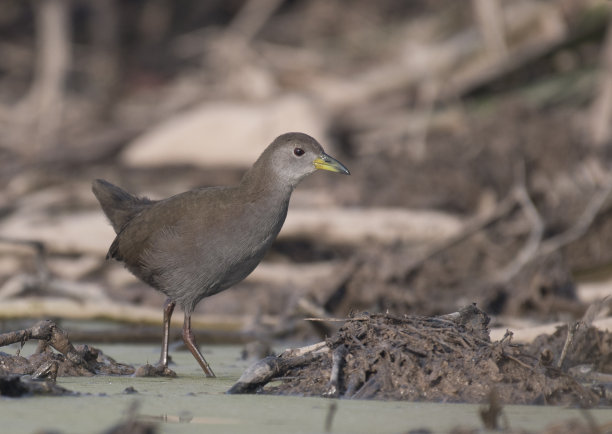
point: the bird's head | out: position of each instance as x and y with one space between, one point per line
293 156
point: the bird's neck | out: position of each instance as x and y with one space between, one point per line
259 182
268 198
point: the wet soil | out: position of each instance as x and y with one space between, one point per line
15 386
589 357
447 358
95 363
56 355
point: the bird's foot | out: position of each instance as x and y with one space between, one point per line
158 370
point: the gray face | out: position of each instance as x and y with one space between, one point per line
292 156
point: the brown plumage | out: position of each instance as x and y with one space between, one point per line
200 242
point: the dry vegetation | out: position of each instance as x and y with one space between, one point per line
447 358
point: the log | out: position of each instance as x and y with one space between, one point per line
33 307
590 292
261 372
358 225
529 334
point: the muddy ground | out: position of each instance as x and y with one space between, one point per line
440 359
447 358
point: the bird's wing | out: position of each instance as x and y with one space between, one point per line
164 224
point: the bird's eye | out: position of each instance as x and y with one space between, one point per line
298 152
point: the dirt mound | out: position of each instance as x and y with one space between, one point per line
70 360
447 358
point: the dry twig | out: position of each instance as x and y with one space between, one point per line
48 332
530 249
571 332
583 223
337 361
44 104
501 210
490 19
600 117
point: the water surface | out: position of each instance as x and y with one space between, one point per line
192 403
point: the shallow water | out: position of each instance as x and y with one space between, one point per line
192 403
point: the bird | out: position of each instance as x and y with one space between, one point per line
203 241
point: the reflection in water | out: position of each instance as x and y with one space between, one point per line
187 417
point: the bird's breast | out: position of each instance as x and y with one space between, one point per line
234 251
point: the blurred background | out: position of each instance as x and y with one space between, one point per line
478 134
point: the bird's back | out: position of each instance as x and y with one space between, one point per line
198 242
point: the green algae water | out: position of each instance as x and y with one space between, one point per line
193 403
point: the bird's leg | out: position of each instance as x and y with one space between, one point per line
168 309
189 340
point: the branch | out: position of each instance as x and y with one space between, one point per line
503 209
532 245
490 19
48 332
251 18
45 100
582 224
601 111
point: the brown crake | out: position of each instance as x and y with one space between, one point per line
200 242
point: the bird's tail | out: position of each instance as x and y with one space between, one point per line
118 205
